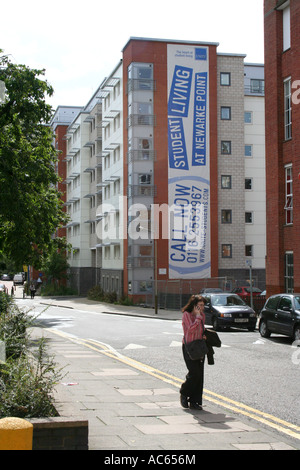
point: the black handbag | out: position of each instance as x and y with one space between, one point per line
196 349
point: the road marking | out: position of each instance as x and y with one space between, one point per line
267 419
134 346
175 344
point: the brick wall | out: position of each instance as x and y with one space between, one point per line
280 65
59 434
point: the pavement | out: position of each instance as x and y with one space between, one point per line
131 406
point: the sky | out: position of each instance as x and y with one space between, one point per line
80 43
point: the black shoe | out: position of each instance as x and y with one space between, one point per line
195 406
184 401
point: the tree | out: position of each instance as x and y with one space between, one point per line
30 206
55 267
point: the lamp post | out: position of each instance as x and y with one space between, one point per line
155 277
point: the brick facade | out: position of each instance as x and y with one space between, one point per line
281 64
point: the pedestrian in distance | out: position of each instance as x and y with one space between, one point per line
32 290
193 320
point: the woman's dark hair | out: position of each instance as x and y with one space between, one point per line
189 307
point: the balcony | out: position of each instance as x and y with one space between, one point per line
141 190
141 120
251 90
141 155
141 84
140 262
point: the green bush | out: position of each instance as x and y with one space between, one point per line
27 380
5 302
52 289
26 386
13 327
97 293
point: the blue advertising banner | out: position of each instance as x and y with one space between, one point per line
189 165
200 114
180 92
177 146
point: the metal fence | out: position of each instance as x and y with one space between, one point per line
173 295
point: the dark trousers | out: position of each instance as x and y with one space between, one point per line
192 388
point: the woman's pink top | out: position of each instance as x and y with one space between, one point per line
192 326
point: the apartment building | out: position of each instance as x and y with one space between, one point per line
282 70
201 116
110 230
255 172
93 184
83 141
241 170
165 172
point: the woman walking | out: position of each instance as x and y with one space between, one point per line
193 320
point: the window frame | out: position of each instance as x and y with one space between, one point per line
250 214
223 108
251 184
226 216
224 184
289 272
227 247
287 103
250 115
247 148
288 207
225 74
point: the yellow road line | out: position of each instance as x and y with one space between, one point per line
264 418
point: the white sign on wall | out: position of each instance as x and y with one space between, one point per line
189 165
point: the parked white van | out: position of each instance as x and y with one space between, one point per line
18 279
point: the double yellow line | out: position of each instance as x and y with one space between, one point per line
267 419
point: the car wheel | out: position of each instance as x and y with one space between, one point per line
263 329
215 324
296 336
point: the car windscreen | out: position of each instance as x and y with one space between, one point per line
226 300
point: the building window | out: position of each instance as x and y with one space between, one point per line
289 272
145 286
249 250
226 216
145 178
248 150
227 250
225 79
145 147
248 217
226 147
226 182
248 117
287 109
288 195
286 20
140 77
248 183
257 86
226 113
